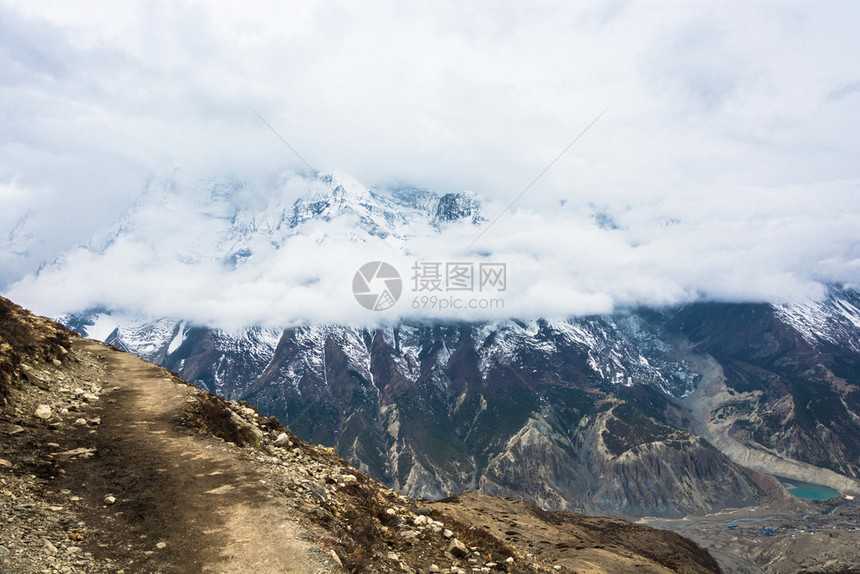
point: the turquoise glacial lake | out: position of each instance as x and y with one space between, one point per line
813 492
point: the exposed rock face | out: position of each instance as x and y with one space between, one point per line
457 206
778 387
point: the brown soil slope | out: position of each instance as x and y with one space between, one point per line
111 464
580 543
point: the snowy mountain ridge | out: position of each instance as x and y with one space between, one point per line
226 229
621 349
834 320
221 220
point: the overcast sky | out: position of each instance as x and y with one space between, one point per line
733 124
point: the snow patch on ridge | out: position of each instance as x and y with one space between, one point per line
178 339
835 320
102 328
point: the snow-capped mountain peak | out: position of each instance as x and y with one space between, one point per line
213 221
382 212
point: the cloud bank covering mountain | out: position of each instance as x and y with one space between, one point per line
725 166
222 253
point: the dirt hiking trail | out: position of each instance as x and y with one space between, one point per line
185 502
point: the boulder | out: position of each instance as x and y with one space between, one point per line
457 549
249 433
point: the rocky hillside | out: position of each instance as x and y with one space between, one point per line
112 464
27 337
781 385
570 540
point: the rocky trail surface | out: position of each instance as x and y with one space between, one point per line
109 463
135 490
192 493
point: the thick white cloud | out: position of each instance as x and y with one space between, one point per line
173 256
727 157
